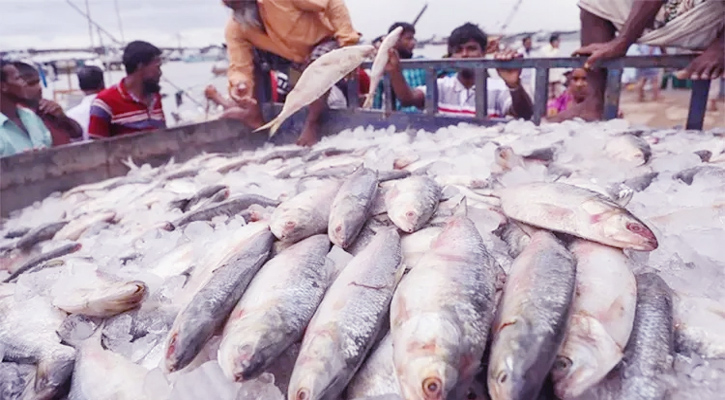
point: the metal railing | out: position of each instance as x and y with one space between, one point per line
698 99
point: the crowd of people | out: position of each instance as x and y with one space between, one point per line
274 41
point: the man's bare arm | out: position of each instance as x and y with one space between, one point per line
521 104
640 18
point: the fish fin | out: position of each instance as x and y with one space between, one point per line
271 125
461 208
400 272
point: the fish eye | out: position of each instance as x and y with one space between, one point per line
562 363
432 386
635 227
502 377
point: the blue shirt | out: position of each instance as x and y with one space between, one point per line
414 78
14 139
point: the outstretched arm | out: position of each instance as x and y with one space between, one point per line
405 94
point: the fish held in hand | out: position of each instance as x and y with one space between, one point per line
381 60
602 317
532 318
441 314
577 211
317 79
348 321
351 207
276 308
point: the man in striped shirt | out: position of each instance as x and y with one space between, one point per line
134 104
456 94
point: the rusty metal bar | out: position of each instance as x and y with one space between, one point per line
387 94
431 91
666 61
541 94
698 104
353 99
612 93
481 93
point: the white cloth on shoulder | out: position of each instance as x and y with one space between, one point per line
694 27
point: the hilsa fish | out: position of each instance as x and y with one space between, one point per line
317 79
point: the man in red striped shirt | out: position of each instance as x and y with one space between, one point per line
134 104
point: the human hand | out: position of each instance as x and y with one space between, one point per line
239 92
51 108
511 76
393 61
708 65
602 51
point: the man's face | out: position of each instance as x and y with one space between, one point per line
406 44
578 85
527 43
470 49
13 85
151 75
555 43
33 90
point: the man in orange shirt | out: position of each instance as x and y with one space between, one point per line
296 30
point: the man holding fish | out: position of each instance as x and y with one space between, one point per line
300 31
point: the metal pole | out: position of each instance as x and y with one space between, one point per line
120 25
90 25
425 7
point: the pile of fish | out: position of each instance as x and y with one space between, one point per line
573 260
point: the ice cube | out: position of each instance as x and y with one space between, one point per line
155 385
76 328
339 257
117 334
262 388
206 382
198 230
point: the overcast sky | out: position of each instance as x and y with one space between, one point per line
54 23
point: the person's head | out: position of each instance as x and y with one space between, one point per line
406 42
33 90
90 79
245 12
527 42
554 40
577 84
467 41
143 61
12 85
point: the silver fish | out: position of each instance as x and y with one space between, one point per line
106 300
15 379
531 321
43 257
351 207
649 354
380 62
441 314
41 233
210 306
304 215
75 228
27 333
318 78
229 207
412 201
576 211
347 321
376 377
601 319
629 148
276 308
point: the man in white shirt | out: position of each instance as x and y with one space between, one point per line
527 74
456 94
90 80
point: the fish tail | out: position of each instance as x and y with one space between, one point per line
368 101
271 124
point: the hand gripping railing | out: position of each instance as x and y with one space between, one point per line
698 99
